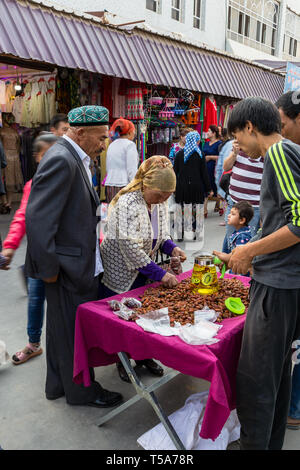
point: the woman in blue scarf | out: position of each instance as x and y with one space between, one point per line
193 183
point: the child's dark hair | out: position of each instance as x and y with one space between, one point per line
245 210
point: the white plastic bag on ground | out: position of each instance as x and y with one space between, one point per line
3 353
187 423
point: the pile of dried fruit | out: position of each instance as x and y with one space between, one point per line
182 302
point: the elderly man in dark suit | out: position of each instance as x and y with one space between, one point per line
63 249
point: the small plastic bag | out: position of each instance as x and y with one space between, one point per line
157 317
157 321
131 302
202 333
205 314
115 305
125 313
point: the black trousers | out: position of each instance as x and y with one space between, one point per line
264 370
61 313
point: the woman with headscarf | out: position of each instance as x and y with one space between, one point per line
211 153
137 228
122 158
192 187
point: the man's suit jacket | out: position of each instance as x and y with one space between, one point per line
61 220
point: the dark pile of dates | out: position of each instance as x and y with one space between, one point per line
182 302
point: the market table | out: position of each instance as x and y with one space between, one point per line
102 338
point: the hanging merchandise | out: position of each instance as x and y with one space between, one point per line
2 95
63 91
119 100
51 101
26 119
156 99
180 108
166 113
10 96
171 100
135 107
74 81
210 114
11 144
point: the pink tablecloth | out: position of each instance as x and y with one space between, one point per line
100 335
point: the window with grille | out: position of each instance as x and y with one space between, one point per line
291 46
254 23
197 14
152 5
176 12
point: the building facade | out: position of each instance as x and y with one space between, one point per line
251 29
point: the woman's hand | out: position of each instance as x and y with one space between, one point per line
169 280
178 252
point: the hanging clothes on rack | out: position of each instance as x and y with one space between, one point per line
18 108
10 95
210 114
11 144
26 118
2 95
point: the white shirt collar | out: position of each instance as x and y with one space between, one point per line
78 149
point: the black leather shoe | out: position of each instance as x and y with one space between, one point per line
152 366
106 399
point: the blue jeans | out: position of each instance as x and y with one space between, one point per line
295 397
36 300
254 225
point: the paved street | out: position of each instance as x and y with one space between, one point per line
29 422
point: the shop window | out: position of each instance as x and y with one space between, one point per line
176 12
152 5
254 23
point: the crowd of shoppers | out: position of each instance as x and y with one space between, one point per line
66 265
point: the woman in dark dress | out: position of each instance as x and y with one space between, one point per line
211 152
192 187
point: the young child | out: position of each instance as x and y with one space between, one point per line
240 215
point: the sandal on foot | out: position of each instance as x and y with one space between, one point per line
27 353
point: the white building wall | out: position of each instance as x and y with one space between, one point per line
213 32
123 11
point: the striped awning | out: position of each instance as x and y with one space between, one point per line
33 31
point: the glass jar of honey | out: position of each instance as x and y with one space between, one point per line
204 278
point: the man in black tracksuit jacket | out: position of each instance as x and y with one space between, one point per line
273 318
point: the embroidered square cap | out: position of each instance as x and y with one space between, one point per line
89 116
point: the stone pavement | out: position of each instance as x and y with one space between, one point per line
29 422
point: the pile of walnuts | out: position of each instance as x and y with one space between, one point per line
182 302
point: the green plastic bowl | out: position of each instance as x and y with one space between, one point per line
235 305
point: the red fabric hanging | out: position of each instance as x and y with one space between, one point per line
210 114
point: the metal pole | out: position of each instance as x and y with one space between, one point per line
281 29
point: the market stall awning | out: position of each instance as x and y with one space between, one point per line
33 31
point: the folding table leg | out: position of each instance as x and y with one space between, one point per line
148 394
